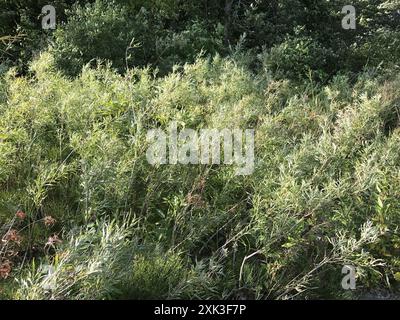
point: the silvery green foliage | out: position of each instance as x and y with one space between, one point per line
324 192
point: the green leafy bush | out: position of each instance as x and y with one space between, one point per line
296 57
120 35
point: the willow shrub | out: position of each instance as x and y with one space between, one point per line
324 193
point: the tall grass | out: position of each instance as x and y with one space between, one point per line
324 193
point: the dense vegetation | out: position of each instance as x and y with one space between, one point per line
83 215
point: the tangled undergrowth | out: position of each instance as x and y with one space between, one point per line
84 216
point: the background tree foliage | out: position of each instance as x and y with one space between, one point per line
307 33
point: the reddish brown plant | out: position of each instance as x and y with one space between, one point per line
12 236
20 215
49 221
5 269
53 240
